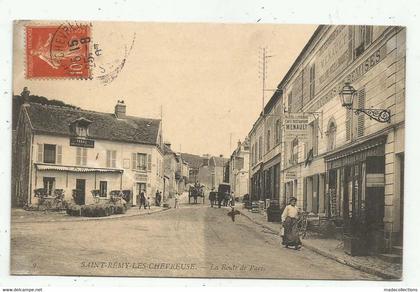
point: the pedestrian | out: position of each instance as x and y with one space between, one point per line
176 200
290 225
233 213
157 198
160 198
232 199
211 198
142 200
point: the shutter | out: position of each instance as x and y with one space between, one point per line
114 158
316 133
108 158
361 117
149 162
84 157
78 156
133 161
40 152
348 126
59 154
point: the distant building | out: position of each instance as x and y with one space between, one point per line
176 172
211 172
79 151
239 169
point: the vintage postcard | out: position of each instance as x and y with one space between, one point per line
208 150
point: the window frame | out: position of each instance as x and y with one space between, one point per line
138 155
103 194
53 154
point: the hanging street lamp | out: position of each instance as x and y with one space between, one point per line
347 95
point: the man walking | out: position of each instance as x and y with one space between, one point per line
142 200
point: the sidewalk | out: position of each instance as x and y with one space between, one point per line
333 249
22 216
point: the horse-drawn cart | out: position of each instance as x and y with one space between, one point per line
194 192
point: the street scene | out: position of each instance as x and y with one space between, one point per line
247 151
192 241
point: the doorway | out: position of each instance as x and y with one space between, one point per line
81 189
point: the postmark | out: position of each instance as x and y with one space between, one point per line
58 51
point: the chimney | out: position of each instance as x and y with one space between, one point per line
221 155
120 109
168 144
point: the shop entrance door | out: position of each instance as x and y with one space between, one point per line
81 188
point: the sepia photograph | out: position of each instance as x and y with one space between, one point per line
210 150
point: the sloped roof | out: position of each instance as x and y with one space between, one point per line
56 120
219 161
167 150
194 161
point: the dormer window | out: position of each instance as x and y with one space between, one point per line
81 131
80 127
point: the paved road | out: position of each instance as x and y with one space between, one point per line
192 241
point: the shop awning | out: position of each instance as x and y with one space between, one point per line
356 152
43 167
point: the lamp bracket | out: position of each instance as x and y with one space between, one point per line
380 115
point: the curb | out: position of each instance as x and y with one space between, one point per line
372 271
92 218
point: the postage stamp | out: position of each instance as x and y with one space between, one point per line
58 51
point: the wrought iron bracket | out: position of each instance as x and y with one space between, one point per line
380 115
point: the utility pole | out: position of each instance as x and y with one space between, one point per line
263 76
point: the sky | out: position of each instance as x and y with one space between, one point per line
203 79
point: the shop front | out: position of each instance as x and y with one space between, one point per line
257 185
356 194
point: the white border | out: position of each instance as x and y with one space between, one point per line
397 12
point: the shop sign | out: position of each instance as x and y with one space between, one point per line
334 56
82 142
296 126
375 180
358 72
291 175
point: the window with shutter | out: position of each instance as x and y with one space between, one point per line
50 153
348 124
315 137
312 81
40 152
84 156
149 162
134 161
108 158
59 154
361 117
78 156
114 159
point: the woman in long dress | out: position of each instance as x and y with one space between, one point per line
290 225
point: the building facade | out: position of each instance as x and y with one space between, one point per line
239 169
81 151
212 171
265 151
346 167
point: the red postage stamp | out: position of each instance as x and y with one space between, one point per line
58 51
